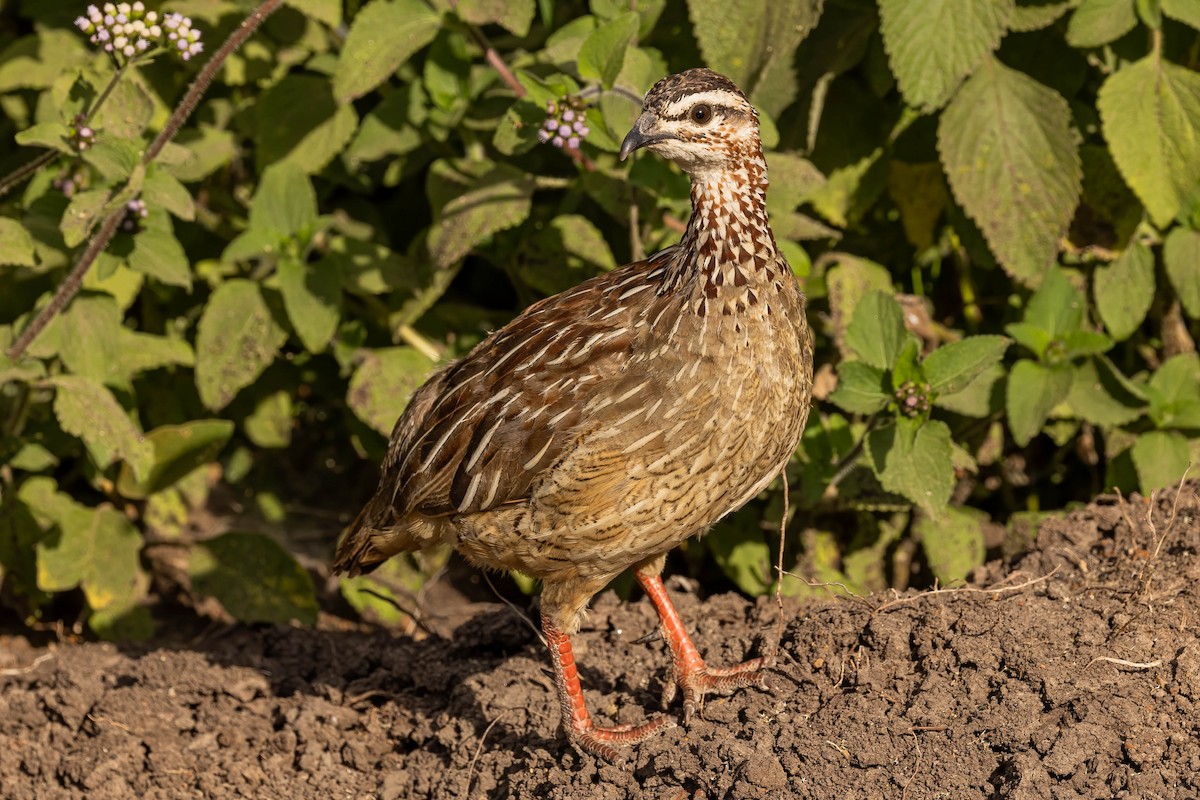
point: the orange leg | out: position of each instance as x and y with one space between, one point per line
689 671
584 734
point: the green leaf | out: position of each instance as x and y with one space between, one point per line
88 336
861 388
1098 22
848 283
300 122
603 52
1015 169
237 338
1124 290
270 424
754 43
163 190
328 12
95 549
285 203
142 352
157 253
1033 391
953 366
953 543
126 112
383 383
176 450
514 15
383 35
89 411
741 551
312 295
915 461
1160 457
19 535
500 199
1186 11
1035 17
1150 112
83 212
51 135
876 333
1174 391
254 578
114 159
1181 257
1099 398
933 45
1057 306
16 245
1030 336
1084 343
978 398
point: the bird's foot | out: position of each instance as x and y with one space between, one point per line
603 742
696 680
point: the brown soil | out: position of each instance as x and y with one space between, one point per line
1077 674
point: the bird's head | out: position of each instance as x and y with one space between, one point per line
699 119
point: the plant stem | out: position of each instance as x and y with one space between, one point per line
70 286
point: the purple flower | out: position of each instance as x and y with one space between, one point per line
127 29
565 126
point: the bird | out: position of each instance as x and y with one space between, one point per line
605 425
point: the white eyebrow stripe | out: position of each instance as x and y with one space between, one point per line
716 97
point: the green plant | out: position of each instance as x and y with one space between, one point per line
993 205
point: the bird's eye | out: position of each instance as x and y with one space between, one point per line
701 114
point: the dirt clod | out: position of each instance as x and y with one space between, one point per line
1075 672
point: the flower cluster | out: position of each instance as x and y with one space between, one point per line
566 124
69 181
128 29
82 136
913 399
135 212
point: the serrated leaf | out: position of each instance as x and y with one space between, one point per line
176 450
861 388
89 411
141 352
16 245
208 149
500 199
1085 343
52 135
1100 399
1181 257
978 398
161 189
1033 391
83 212
237 338
300 123
1124 290
1098 22
953 543
114 159
253 578
741 551
877 332
285 203
328 12
1057 306
920 194
312 295
933 45
157 253
848 283
754 43
1015 170
1150 111
915 461
1160 457
1174 391
952 367
383 383
1186 11
603 52
383 35
1035 17
88 336
513 15
126 112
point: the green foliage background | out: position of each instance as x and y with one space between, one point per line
994 206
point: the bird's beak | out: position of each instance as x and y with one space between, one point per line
641 135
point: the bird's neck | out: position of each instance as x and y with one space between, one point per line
728 249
